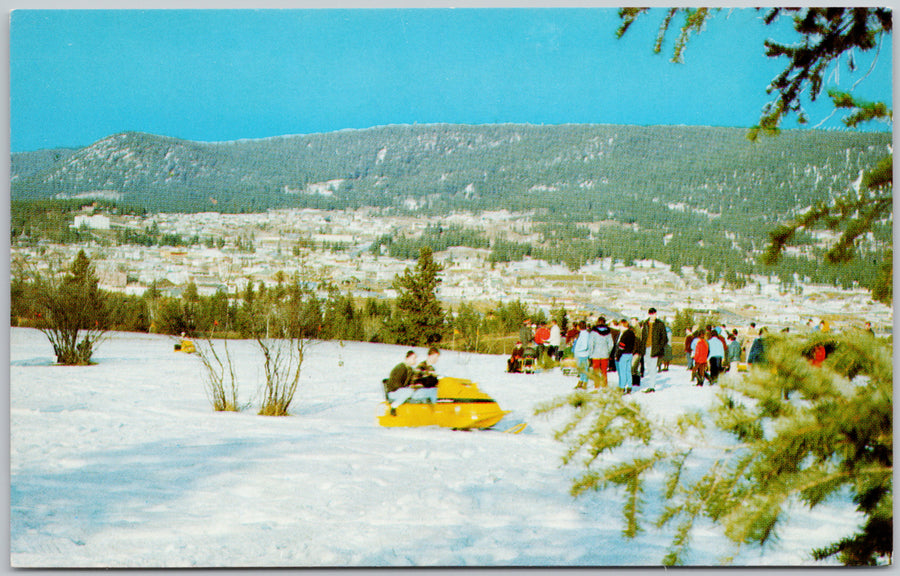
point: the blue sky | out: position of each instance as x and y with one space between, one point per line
214 75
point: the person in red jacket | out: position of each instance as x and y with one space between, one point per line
541 337
819 355
701 357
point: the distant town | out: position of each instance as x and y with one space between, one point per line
320 248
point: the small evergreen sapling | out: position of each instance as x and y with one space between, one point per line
800 434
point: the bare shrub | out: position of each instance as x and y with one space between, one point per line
283 358
219 376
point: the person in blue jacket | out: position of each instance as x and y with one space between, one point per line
624 355
581 349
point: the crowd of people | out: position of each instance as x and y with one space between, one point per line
633 349
639 352
534 342
712 350
630 348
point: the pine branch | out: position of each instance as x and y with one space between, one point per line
694 20
835 433
629 475
628 16
756 519
663 28
700 498
842 210
674 477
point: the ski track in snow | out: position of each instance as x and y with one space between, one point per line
124 464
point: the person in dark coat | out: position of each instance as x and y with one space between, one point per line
640 347
654 338
514 364
614 332
667 356
757 349
688 350
403 373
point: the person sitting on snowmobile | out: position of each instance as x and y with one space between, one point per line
425 373
400 386
514 364
402 374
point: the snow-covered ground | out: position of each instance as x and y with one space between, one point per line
124 464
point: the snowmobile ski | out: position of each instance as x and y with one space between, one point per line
517 428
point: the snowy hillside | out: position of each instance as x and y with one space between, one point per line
124 464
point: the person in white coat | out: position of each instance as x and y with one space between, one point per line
716 355
555 341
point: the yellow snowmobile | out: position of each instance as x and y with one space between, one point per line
460 405
186 346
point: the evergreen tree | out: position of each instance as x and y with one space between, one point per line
560 315
824 35
341 320
511 315
684 319
420 319
190 293
310 318
175 316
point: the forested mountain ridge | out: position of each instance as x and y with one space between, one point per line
600 171
28 164
697 196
